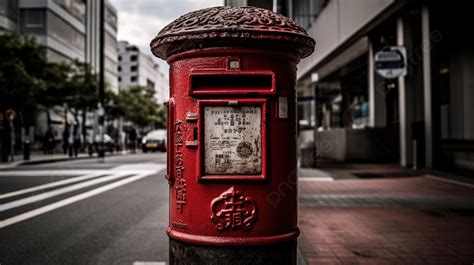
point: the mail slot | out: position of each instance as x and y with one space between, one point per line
232 132
231 83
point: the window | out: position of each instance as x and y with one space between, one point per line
133 58
33 21
110 42
133 78
120 58
120 79
77 8
9 8
61 30
150 84
119 69
111 17
133 68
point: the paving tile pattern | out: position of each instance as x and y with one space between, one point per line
412 220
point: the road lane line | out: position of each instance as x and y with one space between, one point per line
49 185
70 200
46 173
57 192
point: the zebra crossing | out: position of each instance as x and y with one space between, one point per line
71 187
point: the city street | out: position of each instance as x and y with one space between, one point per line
85 212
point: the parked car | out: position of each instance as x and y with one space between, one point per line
154 140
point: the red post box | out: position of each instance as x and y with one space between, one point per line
232 164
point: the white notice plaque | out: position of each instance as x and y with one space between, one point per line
232 140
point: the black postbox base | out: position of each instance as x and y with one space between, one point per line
185 254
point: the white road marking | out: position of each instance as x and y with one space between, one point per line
57 192
149 263
138 167
316 179
450 181
73 199
35 173
49 185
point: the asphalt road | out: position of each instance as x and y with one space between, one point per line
85 212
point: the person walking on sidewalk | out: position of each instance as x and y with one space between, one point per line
66 138
77 140
48 142
133 139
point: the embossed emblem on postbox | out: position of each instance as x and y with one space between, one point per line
233 211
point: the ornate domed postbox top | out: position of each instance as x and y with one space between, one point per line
231 27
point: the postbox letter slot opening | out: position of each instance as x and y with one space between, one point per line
232 83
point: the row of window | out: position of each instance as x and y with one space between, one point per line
77 8
133 58
133 68
133 78
42 21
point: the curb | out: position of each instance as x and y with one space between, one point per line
56 159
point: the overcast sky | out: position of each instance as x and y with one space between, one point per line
140 20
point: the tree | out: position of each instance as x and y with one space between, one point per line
83 91
28 82
22 68
137 104
56 76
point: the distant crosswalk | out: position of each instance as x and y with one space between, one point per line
81 184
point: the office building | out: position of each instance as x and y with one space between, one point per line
138 69
59 25
93 38
69 30
8 15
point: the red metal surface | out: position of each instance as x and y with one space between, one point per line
230 210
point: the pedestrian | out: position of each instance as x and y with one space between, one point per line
66 138
48 142
133 139
76 140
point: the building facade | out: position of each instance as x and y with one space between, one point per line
9 15
69 30
110 37
138 69
349 112
257 3
59 25
421 119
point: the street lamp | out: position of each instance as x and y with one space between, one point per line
101 111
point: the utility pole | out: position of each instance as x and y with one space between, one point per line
101 153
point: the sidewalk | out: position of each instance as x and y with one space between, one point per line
383 214
39 157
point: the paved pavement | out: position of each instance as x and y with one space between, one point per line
382 214
37 157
